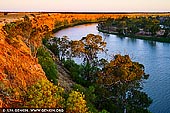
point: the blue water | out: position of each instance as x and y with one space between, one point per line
154 55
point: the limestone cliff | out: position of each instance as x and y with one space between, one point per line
17 67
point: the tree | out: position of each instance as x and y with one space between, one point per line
108 23
133 29
120 81
77 48
87 48
93 44
60 47
64 46
154 29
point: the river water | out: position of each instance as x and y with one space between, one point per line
154 55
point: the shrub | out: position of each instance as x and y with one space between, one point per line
10 28
47 64
44 95
75 103
75 71
89 96
104 111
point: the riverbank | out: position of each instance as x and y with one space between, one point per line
150 38
71 25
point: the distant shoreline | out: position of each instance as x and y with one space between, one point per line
143 37
71 25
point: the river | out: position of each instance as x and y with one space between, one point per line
154 55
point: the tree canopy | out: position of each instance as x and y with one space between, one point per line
116 83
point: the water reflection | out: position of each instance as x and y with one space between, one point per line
131 40
166 44
105 35
151 43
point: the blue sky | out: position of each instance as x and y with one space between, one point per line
86 5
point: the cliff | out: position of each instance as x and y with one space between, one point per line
18 67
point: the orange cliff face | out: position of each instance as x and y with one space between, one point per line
17 67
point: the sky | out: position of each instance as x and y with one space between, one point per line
86 5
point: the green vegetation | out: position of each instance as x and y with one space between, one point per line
147 28
90 96
48 65
46 95
75 103
119 80
75 71
113 85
